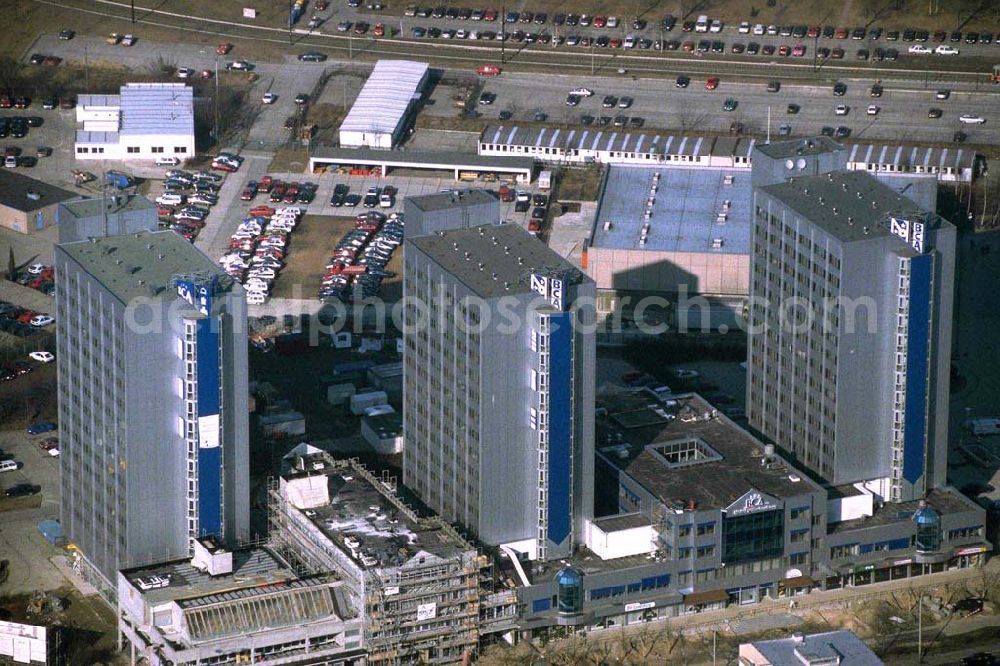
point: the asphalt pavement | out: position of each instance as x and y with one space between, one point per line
902 116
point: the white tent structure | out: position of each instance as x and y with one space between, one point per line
379 114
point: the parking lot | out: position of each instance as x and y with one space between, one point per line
20 541
224 220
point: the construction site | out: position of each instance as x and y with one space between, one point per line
424 592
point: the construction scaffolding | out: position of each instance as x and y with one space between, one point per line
420 604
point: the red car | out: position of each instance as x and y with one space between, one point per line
262 211
6 102
223 166
488 70
248 194
223 48
49 443
206 74
490 15
712 83
321 5
784 50
378 30
600 22
799 51
264 184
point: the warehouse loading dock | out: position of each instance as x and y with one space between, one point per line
380 162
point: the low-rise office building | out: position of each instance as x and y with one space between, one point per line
618 146
28 205
245 606
835 648
705 516
145 121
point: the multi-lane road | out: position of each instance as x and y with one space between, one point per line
902 116
973 64
910 84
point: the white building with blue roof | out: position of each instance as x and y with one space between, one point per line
143 122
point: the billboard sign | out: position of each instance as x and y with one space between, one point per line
426 611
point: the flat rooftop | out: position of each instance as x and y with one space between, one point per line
88 207
452 199
684 211
26 194
832 647
366 525
943 500
427 159
494 260
681 452
815 145
849 205
170 581
142 264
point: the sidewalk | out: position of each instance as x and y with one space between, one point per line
815 600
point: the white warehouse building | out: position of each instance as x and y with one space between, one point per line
143 122
379 114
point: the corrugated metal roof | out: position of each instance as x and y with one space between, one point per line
157 108
609 140
385 97
916 156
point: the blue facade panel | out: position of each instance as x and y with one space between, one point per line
560 425
209 451
917 367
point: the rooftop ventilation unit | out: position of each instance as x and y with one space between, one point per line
608 225
728 180
717 243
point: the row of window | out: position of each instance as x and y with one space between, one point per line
132 150
575 152
178 150
644 585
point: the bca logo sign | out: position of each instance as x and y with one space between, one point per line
196 295
752 502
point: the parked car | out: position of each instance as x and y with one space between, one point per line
42 356
41 427
22 490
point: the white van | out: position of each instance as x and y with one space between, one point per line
170 199
167 161
701 25
8 466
